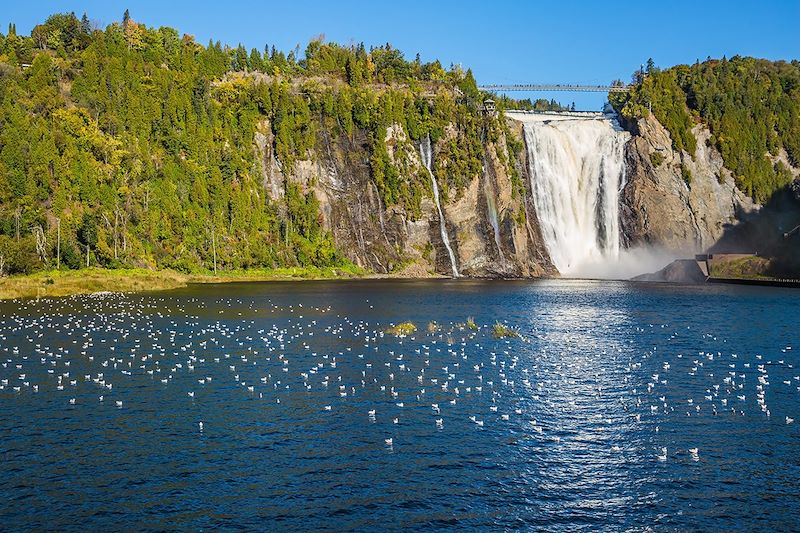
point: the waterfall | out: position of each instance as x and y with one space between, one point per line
427 160
577 172
491 206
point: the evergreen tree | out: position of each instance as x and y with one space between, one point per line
86 25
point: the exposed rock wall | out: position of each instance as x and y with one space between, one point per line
660 208
516 248
493 230
390 240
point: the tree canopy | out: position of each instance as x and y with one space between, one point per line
138 143
751 106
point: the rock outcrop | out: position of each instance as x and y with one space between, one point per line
492 229
661 207
679 271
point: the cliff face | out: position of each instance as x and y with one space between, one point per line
673 200
487 230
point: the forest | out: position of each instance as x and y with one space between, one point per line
133 146
751 106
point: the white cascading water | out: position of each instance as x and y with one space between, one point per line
577 172
427 159
492 208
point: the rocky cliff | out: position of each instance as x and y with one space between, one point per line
672 199
131 147
491 225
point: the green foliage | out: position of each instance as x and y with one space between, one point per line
660 92
686 174
501 331
741 268
515 147
504 102
402 330
70 255
751 106
87 231
656 158
19 256
141 142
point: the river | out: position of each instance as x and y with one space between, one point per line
285 405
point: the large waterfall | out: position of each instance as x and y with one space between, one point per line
427 159
577 171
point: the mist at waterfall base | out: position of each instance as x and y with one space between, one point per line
577 171
627 264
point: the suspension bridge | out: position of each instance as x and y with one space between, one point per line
554 87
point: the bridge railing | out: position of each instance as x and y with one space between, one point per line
584 114
554 87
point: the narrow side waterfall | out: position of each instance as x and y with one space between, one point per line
491 206
577 172
427 159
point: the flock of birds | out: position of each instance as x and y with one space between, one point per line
88 350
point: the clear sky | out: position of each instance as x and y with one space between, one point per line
590 42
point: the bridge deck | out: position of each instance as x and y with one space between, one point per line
555 87
582 114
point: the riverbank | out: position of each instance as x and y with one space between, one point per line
746 269
90 280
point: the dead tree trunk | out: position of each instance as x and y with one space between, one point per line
58 244
41 243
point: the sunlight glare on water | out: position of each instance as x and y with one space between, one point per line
287 405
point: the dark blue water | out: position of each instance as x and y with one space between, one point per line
564 429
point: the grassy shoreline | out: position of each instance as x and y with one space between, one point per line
744 268
90 280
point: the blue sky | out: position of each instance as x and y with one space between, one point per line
504 42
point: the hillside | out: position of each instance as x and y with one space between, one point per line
137 147
750 106
714 157
134 146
